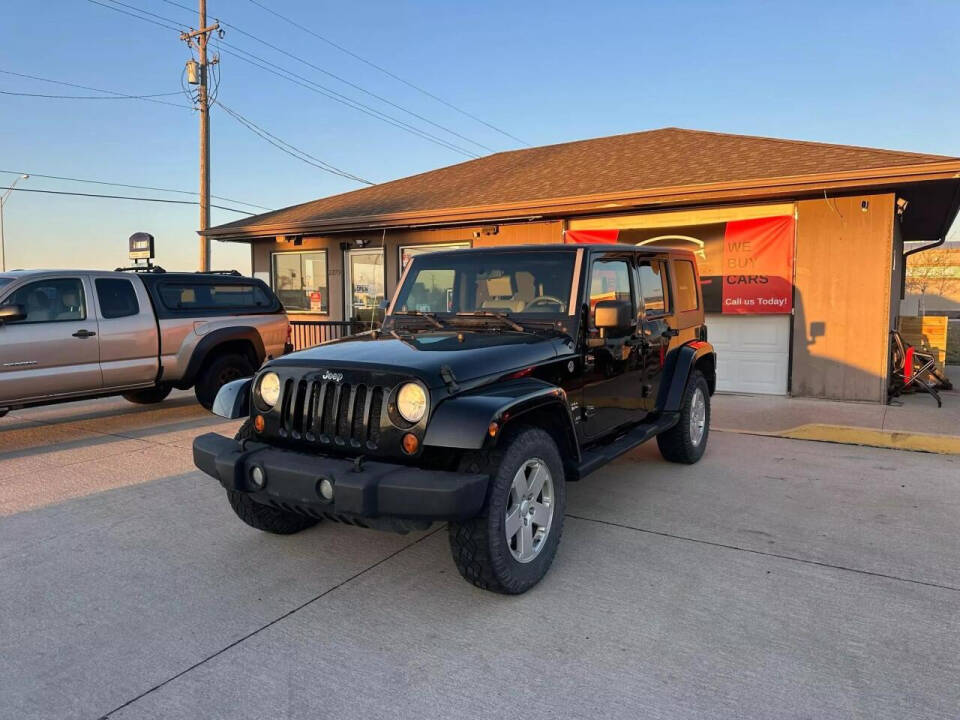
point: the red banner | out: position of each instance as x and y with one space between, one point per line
758 266
746 266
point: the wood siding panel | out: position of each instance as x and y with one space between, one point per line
843 298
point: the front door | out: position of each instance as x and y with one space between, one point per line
613 390
55 350
364 284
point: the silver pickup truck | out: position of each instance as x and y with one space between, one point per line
67 334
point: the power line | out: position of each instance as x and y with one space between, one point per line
127 185
139 17
316 87
387 72
88 97
93 89
291 149
126 197
341 79
293 77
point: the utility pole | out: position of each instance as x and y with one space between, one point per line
3 199
198 39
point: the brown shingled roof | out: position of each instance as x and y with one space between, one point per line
633 163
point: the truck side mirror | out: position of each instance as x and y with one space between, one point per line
613 317
12 313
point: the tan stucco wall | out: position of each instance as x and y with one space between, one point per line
843 298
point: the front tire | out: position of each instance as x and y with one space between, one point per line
218 373
263 517
510 546
686 441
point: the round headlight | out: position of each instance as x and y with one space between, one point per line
269 389
412 402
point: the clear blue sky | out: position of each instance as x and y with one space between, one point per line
883 74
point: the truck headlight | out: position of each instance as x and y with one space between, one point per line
412 402
269 389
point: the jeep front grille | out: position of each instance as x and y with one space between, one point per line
343 414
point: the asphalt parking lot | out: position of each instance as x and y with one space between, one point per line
776 579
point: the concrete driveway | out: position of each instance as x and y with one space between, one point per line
776 579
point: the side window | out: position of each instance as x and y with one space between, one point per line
609 280
653 287
188 296
54 300
686 286
117 298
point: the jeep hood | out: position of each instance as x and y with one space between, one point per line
468 354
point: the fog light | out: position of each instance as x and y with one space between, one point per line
258 478
326 490
410 443
258 423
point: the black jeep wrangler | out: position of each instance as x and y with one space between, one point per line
498 375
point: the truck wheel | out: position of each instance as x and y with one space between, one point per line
218 373
264 517
510 546
149 396
686 441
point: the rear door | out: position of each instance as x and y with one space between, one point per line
655 322
129 347
55 350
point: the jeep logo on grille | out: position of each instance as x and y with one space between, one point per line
335 376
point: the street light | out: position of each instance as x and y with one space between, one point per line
3 257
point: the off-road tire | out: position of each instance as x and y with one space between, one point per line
264 517
479 545
676 444
148 396
221 370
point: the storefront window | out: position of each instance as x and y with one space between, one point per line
300 280
411 251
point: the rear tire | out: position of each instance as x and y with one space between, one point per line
263 517
148 396
527 485
686 441
223 369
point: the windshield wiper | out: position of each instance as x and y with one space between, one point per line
428 316
502 317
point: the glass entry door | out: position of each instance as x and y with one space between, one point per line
365 287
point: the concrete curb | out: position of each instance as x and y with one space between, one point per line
871 437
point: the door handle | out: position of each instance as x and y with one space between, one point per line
83 334
670 332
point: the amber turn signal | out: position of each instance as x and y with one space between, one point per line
410 443
258 423
493 428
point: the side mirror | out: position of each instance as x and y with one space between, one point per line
12 313
233 399
613 317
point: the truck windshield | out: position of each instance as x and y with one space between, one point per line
490 282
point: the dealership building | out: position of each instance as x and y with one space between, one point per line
800 244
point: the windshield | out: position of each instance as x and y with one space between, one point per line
534 282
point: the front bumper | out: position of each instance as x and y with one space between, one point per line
372 490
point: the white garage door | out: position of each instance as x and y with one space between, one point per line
753 352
